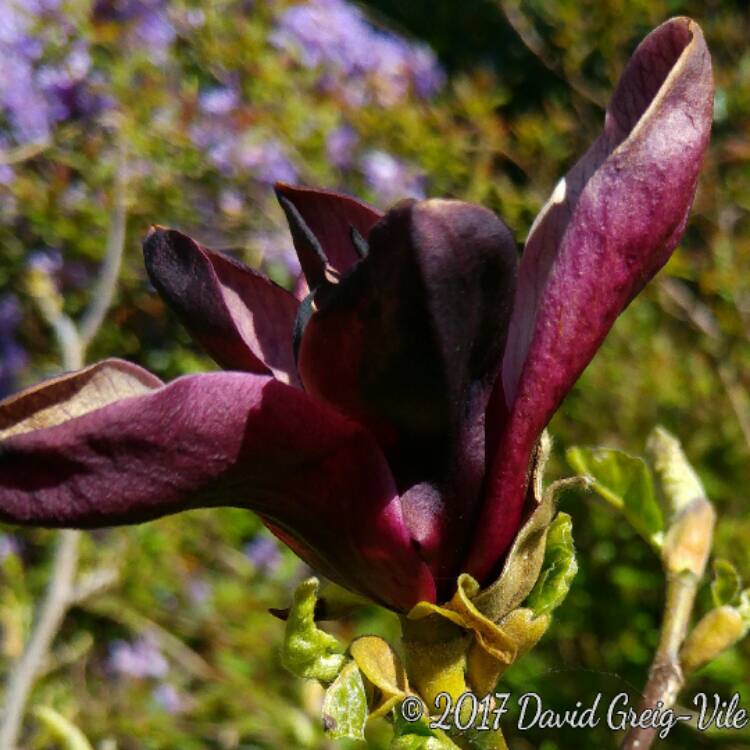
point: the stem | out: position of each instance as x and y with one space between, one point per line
51 613
665 678
104 292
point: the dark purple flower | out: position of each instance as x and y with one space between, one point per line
382 425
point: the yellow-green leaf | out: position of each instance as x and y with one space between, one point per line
345 705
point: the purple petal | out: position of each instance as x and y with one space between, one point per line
217 439
608 227
409 344
330 217
242 319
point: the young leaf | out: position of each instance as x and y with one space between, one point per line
678 478
308 651
417 735
559 567
625 482
345 705
69 735
726 583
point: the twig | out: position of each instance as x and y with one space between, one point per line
535 44
61 591
702 318
665 679
51 613
104 291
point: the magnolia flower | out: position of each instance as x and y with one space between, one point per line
381 420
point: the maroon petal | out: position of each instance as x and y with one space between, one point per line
242 319
608 227
409 344
330 217
216 439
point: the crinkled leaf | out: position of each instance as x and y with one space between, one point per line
559 567
625 482
726 583
308 651
345 705
380 664
69 735
524 561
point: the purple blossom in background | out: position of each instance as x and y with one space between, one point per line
7 175
340 146
275 246
13 358
360 61
8 546
391 179
267 161
139 659
34 96
168 697
149 26
218 101
263 553
49 262
198 591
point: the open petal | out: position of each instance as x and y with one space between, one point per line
608 227
409 344
242 319
215 439
330 218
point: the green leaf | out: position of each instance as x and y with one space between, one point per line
345 705
62 729
726 583
417 735
559 567
625 482
308 651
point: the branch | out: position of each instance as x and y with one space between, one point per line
51 613
104 292
665 678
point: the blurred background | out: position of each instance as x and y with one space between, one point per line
194 109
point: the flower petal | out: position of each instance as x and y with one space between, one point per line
242 319
330 217
608 227
72 395
409 344
219 439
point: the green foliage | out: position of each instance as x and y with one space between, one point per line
345 705
726 583
558 570
625 482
